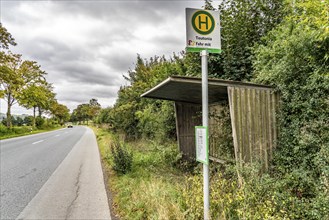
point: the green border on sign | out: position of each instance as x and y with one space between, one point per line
207 145
197 49
212 21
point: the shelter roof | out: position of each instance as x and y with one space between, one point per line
189 89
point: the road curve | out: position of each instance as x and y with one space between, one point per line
75 188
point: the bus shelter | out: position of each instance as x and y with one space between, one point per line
252 112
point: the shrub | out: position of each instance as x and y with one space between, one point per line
238 195
121 157
39 122
3 129
21 130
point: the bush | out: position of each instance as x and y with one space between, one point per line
245 193
39 122
237 193
294 59
3 129
21 130
121 157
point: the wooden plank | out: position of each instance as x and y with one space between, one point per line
217 160
243 125
232 105
253 121
249 101
212 130
239 117
246 125
238 122
270 125
265 129
259 124
274 117
177 124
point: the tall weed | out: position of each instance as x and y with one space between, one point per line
122 158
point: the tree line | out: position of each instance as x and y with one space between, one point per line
86 112
24 82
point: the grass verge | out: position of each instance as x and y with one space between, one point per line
152 189
23 131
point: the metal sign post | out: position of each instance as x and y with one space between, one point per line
203 35
204 67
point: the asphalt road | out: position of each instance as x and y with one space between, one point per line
54 175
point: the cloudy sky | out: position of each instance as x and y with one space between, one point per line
86 46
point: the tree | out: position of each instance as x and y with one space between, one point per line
37 95
139 117
6 38
294 59
49 98
81 113
11 80
243 24
61 112
94 108
15 77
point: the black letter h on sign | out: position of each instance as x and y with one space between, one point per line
203 22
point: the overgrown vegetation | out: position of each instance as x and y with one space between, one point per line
275 42
294 58
151 190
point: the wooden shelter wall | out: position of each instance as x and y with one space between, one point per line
187 117
254 125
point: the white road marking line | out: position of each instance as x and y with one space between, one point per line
57 135
38 142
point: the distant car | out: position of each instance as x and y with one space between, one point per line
70 126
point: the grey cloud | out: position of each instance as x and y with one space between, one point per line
107 37
78 93
80 72
168 40
120 61
116 11
44 49
89 61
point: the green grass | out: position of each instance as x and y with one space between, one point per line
152 189
21 131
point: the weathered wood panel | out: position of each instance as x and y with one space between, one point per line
187 117
253 118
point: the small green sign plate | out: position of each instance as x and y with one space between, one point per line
201 144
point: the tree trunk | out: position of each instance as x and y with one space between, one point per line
40 111
9 124
33 122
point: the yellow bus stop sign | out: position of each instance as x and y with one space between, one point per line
202 31
203 22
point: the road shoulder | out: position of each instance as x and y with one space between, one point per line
76 189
